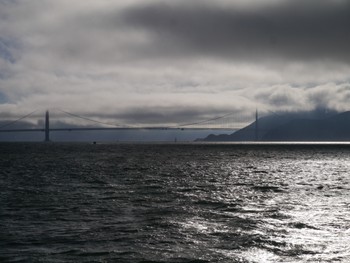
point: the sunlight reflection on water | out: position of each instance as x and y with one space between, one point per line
175 203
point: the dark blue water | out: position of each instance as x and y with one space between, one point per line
174 203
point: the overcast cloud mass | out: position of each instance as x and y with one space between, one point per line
138 61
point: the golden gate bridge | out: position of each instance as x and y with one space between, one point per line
227 121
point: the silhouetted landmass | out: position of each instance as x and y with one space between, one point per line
311 126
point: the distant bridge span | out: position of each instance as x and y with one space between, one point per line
47 128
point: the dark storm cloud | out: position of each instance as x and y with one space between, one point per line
120 58
300 30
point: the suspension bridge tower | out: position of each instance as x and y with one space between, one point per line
47 126
256 125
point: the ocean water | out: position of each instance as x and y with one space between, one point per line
174 203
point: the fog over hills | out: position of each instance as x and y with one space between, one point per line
305 126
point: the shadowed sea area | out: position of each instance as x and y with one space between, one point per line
179 203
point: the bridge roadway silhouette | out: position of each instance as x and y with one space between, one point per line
187 126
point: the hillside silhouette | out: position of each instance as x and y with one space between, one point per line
305 126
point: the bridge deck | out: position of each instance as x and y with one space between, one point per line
114 128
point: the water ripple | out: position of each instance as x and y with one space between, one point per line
174 203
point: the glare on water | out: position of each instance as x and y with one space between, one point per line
306 217
174 203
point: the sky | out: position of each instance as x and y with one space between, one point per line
169 62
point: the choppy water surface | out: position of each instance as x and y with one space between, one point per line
174 203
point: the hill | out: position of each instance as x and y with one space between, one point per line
306 126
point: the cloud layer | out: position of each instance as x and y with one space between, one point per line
293 30
166 62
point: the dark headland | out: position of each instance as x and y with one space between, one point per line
309 126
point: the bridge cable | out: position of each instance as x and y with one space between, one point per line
200 122
175 126
92 120
13 122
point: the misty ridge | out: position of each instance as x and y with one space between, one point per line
317 125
